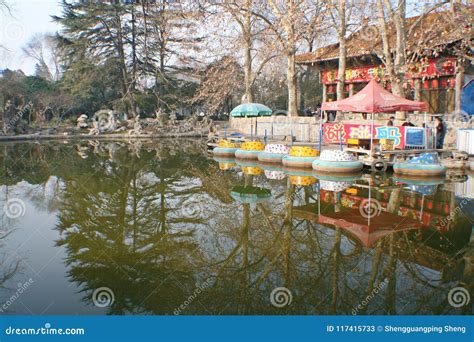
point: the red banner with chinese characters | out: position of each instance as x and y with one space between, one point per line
354 75
423 69
333 132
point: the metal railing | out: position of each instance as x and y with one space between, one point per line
304 132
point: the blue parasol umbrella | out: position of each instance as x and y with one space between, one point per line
251 109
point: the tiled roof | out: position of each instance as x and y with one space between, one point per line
432 30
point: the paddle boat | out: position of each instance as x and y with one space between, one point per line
234 137
300 177
300 157
336 161
423 165
421 185
334 186
225 163
273 153
274 175
250 150
417 180
340 177
302 180
273 171
250 167
225 148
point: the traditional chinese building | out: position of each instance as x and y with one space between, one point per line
436 44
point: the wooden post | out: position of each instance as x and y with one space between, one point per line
417 97
325 93
351 92
272 126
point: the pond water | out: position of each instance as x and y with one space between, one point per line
148 227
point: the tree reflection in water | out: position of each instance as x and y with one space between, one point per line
153 220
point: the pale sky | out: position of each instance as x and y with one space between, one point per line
28 18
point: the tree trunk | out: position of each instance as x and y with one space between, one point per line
291 75
394 67
458 87
301 92
400 58
247 32
341 72
126 91
134 49
292 85
399 21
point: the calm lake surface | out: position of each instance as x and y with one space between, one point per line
122 228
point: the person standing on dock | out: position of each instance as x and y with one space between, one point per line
441 129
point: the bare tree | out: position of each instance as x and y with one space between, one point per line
238 29
285 26
42 48
168 43
337 12
397 56
4 9
218 84
393 58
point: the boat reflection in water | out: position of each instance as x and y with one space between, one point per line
156 221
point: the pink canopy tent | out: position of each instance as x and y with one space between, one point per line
374 99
